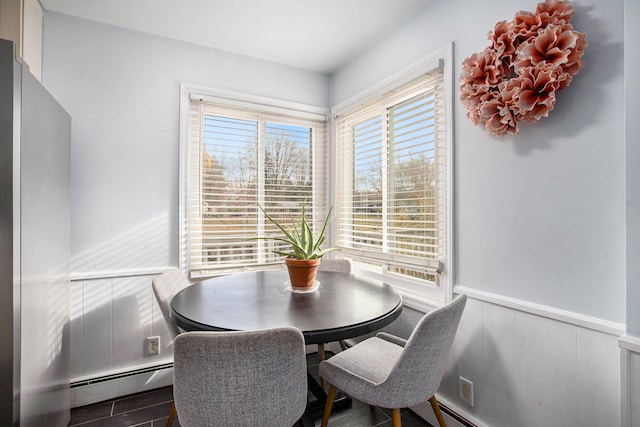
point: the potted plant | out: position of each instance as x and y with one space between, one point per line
303 259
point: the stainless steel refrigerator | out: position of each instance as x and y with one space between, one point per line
35 134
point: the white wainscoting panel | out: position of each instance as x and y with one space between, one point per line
132 320
545 352
634 389
596 381
111 318
495 399
529 369
465 358
97 327
630 380
76 309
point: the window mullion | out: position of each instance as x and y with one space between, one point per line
345 182
261 191
320 175
387 176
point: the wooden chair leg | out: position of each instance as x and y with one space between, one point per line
343 345
172 416
321 356
396 420
436 409
321 352
328 405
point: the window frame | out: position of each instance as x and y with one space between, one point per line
235 101
416 293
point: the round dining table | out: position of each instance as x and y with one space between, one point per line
341 306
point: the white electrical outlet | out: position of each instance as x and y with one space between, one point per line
153 346
465 390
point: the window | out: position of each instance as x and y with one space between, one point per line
239 156
393 197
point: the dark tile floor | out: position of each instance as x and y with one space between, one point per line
151 409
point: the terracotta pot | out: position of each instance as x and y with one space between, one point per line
302 272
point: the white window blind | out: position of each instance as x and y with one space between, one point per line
239 158
391 187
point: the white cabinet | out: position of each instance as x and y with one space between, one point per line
21 23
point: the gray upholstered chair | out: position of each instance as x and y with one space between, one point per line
165 286
391 372
339 265
236 379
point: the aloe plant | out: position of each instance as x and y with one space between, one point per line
304 243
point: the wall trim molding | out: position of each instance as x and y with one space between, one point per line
110 274
417 302
577 319
630 342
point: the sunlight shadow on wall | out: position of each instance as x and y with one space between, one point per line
145 245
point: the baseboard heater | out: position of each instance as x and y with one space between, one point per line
120 375
459 418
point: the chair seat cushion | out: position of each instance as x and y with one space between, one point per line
361 368
391 372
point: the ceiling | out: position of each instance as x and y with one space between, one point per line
317 35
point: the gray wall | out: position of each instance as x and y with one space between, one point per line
122 89
539 216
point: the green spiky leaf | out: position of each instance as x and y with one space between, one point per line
304 243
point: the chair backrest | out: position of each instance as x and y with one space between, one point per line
165 286
417 373
338 265
236 379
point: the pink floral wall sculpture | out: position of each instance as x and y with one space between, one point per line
515 78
